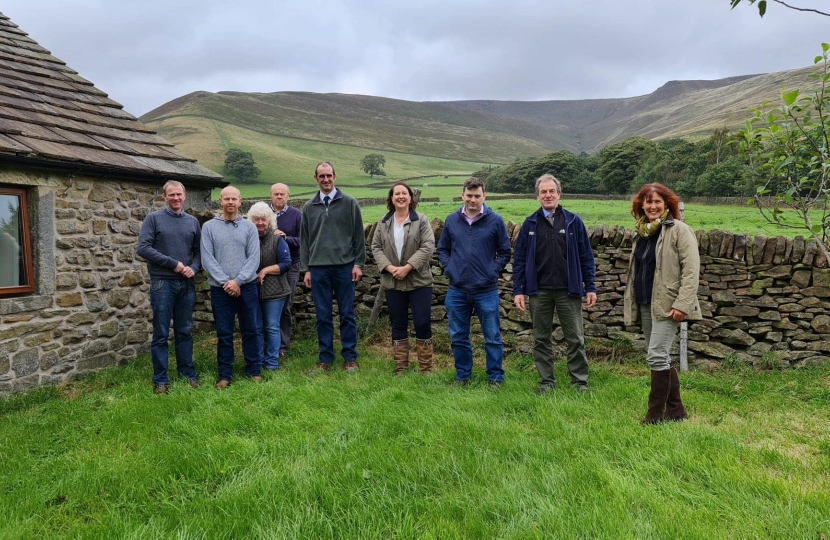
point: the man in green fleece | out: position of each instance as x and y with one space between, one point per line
332 253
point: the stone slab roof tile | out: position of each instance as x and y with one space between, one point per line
49 113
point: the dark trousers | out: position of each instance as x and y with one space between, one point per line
327 284
225 310
287 319
570 317
400 302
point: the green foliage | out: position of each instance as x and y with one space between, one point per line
372 163
241 165
762 6
788 148
620 163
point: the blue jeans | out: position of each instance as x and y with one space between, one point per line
225 309
172 298
459 311
329 283
271 311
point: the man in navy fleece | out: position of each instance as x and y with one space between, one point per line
169 240
473 250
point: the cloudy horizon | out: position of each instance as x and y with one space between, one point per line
146 54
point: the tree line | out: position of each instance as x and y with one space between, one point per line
711 167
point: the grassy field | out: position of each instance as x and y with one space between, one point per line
292 161
738 219
371 456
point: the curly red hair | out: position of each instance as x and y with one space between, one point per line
670 197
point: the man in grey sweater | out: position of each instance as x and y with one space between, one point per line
169 240
332 254
230 256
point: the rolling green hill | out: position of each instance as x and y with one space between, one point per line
289 132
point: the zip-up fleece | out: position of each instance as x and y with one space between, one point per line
676 275
474 256
581 267
332 236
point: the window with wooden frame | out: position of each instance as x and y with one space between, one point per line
16 269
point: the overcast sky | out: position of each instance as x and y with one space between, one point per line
145 53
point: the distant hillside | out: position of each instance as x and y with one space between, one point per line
474 131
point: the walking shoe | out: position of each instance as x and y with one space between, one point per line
283 353
582 388
321 367
546 389
460 382
257 378
495 385
223 384
350 366
160 389
194 383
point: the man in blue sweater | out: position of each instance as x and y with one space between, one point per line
553 268
473 250
230 256
169 240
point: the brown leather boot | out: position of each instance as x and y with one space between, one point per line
660 383
424 347
400 353
675 411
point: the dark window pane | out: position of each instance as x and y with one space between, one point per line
12 273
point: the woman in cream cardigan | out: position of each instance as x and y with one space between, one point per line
402 245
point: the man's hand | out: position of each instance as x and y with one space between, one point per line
590 299
185 271
401 272
232 288
357 273
519 302
307 279
278 232
677 315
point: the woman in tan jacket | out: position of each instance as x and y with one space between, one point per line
661 291
402 245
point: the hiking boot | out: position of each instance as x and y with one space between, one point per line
460 382
320 368
495 385
194 383
350 366
161 389
223 384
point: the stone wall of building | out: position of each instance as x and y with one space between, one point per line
90 308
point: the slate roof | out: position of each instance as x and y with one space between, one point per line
50 115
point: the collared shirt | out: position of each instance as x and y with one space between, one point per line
330 195
278 213
172 213
471 220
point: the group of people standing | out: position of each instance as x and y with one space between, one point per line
253 266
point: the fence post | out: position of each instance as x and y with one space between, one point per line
684 330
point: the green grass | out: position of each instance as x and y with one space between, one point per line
738 219
372 456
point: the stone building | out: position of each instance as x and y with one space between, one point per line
78 174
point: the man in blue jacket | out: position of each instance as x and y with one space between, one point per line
553 268
473 250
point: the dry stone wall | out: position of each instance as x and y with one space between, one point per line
765 300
